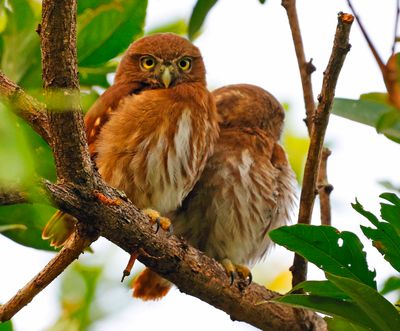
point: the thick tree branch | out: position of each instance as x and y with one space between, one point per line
306 68
25 106
60 80
321 117
70 252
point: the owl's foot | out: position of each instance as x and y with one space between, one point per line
234 270
161 222
155 218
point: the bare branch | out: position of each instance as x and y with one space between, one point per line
64 258
324 188
11 196
25 106
396 25
321 117
306 68
374 51
60 79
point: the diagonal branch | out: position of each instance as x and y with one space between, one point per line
70 252
321 117
25 106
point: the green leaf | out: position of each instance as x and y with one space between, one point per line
96 76
340 253
103 33
391 284
323 288
178 26
381 312
90 4
21 52
34 217
370 112
389 124
296 147
262 1
6 326
340 324
385 237
391 213
330 306
198 16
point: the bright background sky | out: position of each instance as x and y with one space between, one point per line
245 42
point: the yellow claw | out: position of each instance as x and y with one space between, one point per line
156 218
237 269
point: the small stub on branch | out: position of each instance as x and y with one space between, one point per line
346 18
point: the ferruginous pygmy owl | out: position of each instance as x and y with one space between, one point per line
152 131
247 188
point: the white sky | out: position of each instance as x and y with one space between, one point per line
245 42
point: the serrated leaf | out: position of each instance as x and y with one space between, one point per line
390 285
330 306
381 312
199 13
391 213
320 288
385 237
340 253
340 324
103 33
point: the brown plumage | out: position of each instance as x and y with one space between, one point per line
247 187
152 131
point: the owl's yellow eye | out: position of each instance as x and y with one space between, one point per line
147 62
185 63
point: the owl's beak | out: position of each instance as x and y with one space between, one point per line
166 76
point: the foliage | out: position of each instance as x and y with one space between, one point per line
349 294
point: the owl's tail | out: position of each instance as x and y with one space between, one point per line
150 286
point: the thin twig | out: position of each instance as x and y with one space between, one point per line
396 24
324 188
306 68
321 117
71 251
12 196
25 106
374 51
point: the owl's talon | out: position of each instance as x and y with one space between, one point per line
129 266
234 270
160 221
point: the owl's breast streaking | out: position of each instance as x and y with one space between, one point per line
156 143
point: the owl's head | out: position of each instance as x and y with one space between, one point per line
161 61
249 106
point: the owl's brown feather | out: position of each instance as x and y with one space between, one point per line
247 187
150 139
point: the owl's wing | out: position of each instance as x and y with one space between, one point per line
99 113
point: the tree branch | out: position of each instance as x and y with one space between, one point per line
60 79
324 188
71 251
25 106
306 68
11 196
321 117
